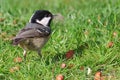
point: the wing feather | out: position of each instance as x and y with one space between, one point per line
31 32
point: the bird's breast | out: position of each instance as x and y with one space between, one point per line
33 43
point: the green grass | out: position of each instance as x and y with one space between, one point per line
87 29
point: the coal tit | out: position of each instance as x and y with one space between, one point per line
36 33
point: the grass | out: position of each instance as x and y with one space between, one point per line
87 29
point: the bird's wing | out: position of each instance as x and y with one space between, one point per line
31 33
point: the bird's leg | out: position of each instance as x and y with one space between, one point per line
39 53
24 54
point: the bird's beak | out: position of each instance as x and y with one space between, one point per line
58 17
54 16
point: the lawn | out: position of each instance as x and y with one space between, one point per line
91 28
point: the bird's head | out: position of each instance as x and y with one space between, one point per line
43 17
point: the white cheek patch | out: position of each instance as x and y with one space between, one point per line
44 21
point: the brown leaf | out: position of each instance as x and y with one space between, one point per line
18 59
98 76
15 68
63 65
114 34
60 77
2 19
69 54
82 68
110 44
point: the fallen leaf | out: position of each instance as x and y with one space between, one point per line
60 77
98 76
63 65
82 68
13 69
69 54
114 34
70 66
110 44
18 59
2 19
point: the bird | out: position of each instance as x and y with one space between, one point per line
36 33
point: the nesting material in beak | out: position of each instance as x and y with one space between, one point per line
58 18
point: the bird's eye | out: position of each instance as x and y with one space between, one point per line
46 15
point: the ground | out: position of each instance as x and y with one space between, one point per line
90 28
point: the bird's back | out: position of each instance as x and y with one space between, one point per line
28 38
